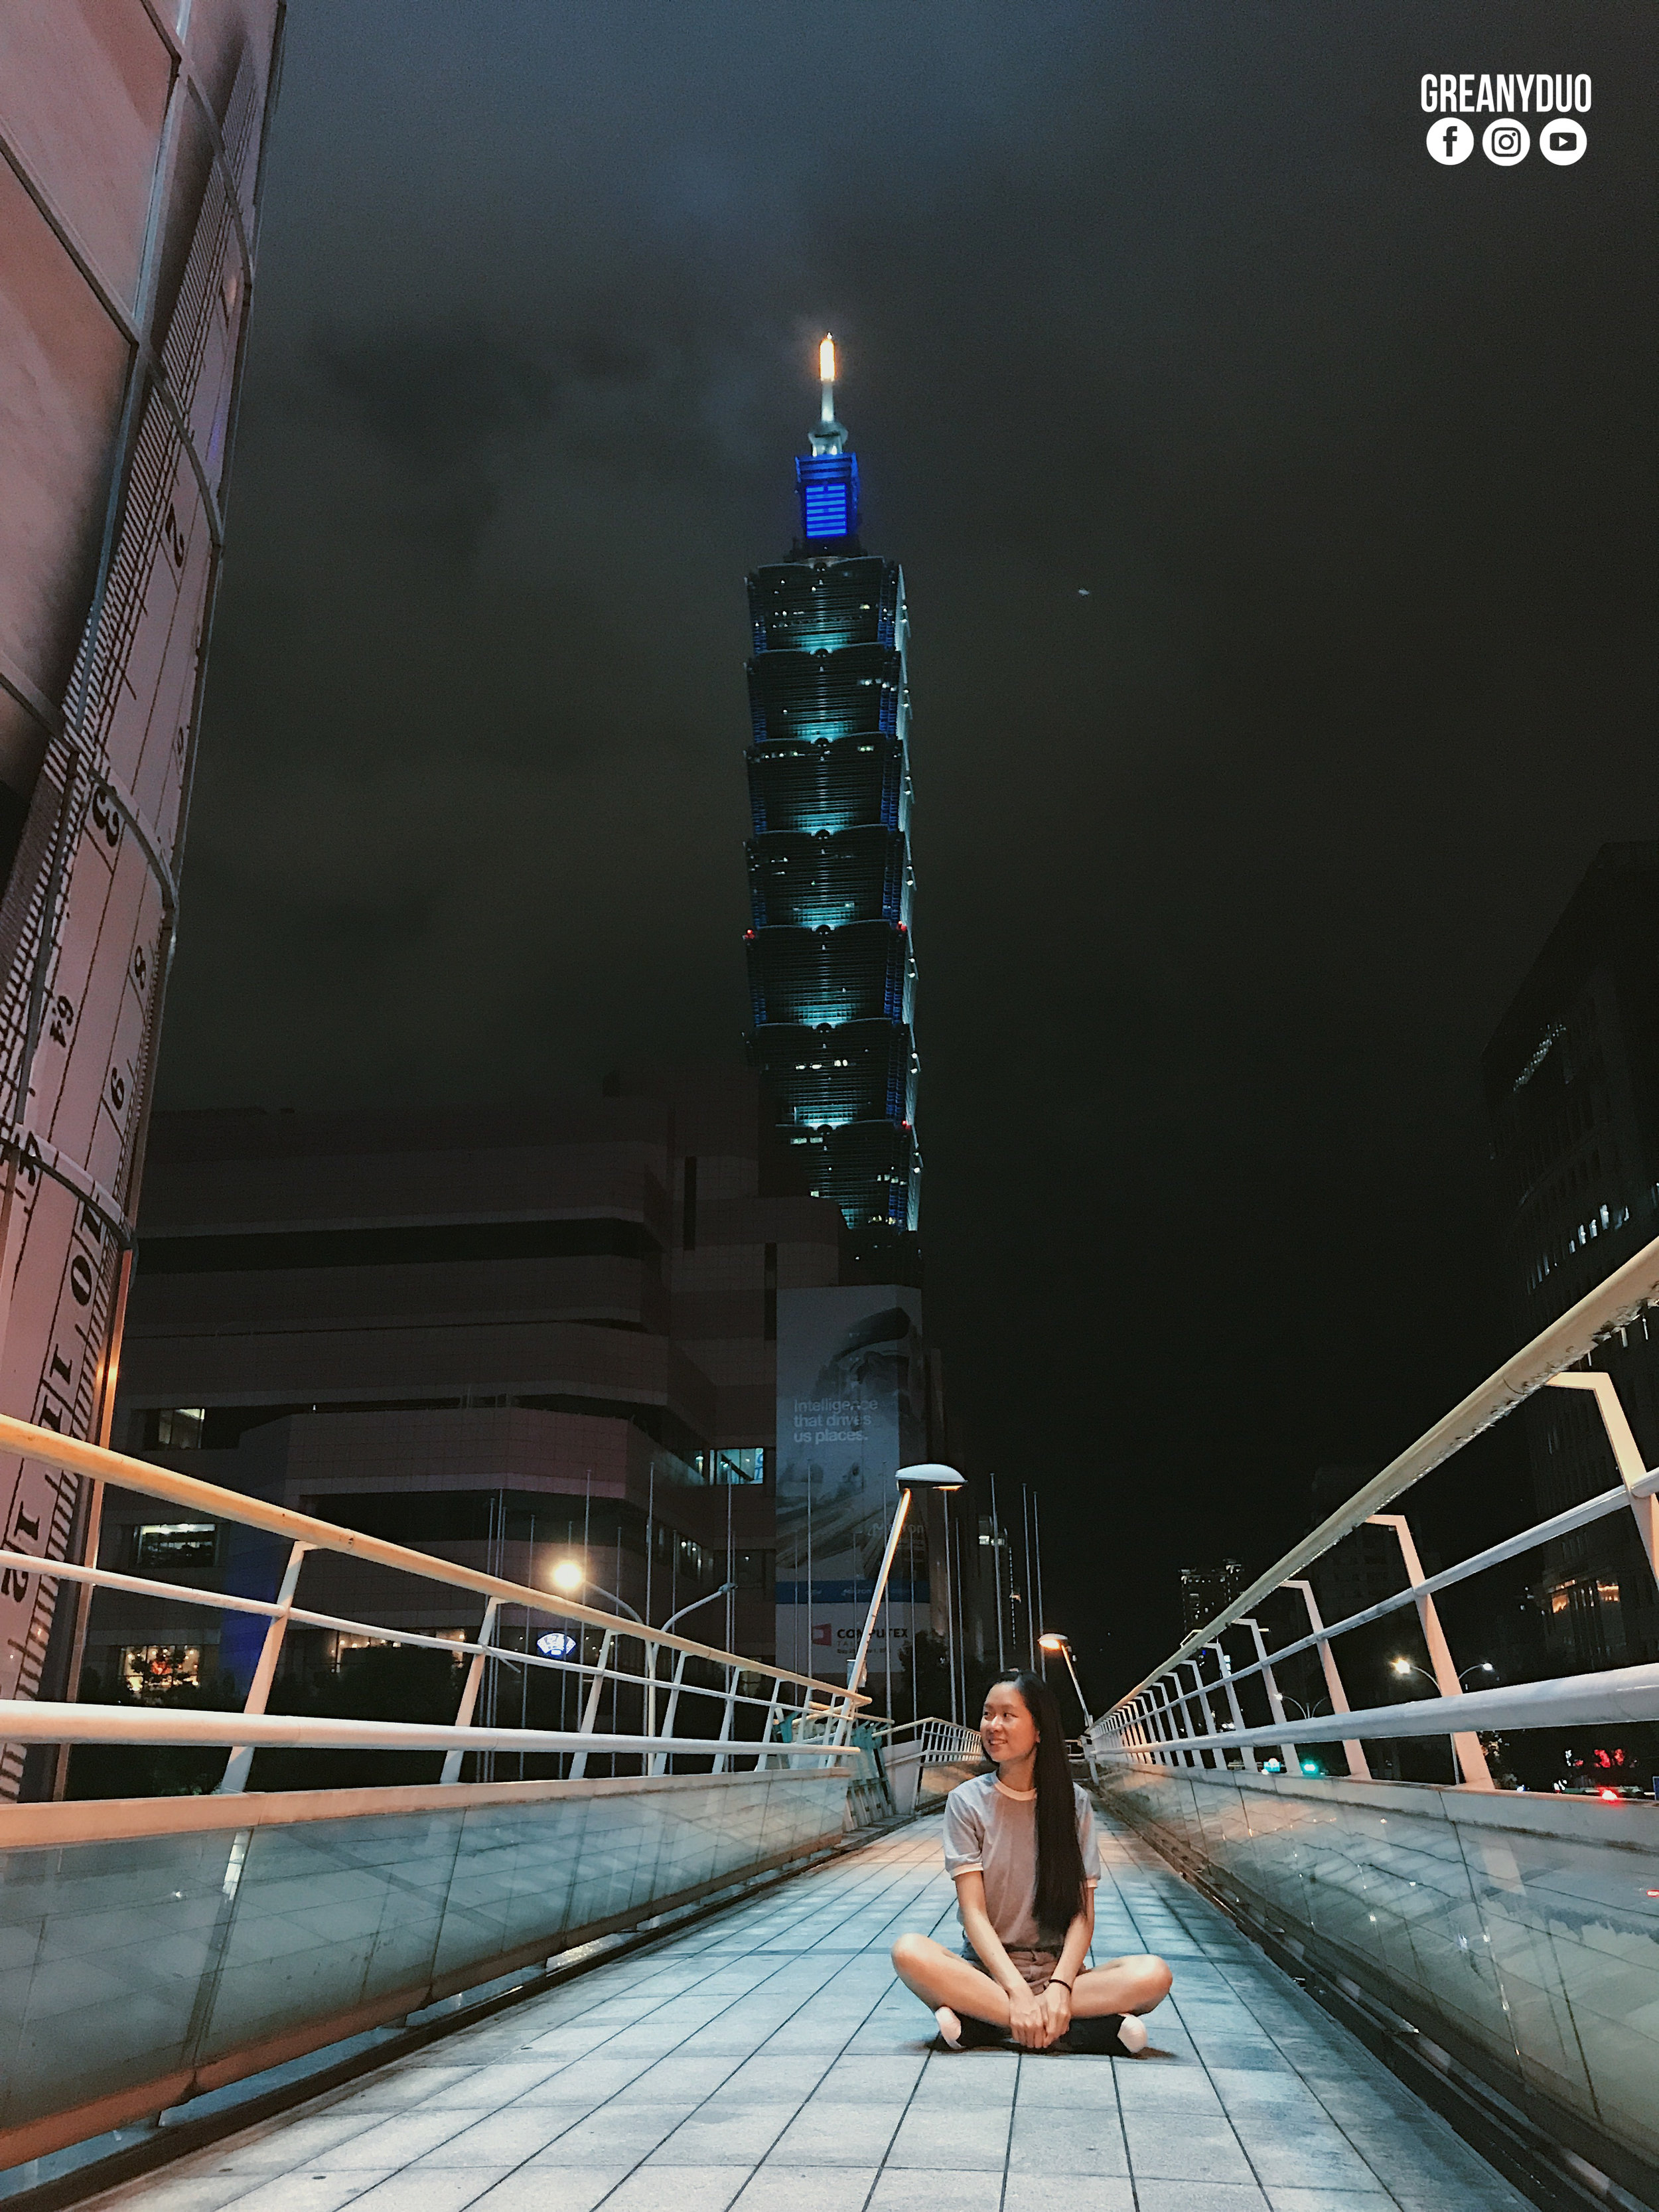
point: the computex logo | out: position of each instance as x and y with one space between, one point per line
1553 101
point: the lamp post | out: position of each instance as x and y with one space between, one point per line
1409 1666
723 1591
930 1475
1063 1646
569 1576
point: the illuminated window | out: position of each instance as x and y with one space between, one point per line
173 1544
153 1667
178 1428
743 1465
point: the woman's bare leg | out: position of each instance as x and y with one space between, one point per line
951 1985
1128 1985
940 1977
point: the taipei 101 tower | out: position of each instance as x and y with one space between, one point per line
832 969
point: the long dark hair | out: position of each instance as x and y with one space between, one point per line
1060 1858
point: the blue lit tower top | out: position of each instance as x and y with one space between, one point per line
832 969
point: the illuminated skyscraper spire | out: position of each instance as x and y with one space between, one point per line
829 437
831 968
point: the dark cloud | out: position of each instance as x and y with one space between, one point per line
438 396
1226 870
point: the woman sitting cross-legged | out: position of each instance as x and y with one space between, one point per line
1020 1846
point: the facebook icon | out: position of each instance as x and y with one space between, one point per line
1450 140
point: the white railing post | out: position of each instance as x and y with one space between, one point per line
1246 1751
764 1763
1209 1728
1128 1727
1168 1728
1183 1714
237 1766
1466 1746
590 1710
1352 1751
1292 1765
659 1758
1626 1456
1158 1724
722 1758
452 1769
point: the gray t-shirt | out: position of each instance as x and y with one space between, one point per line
992 1830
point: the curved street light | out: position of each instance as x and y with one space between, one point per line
1063 1644
1410 1666
569 1576
722 1591
927 1474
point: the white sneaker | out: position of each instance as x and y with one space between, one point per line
1131 2033
951 2027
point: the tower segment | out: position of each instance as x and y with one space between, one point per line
832 968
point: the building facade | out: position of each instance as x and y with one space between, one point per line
832 969
509 1336
129 201
1571 1083
1367 1565
1207 1591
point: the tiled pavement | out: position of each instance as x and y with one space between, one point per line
766 2061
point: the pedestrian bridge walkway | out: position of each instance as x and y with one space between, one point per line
766 2060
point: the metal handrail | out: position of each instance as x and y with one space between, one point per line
939 1738
786 1694
1157 1723
33 1720
1512 1547
76 1457
1612 1306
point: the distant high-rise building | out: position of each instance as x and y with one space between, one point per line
832 969
1572 1081
1207 1591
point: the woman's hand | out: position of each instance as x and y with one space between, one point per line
1056 2002
1028 2020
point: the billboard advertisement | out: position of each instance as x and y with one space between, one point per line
852 1410
128 218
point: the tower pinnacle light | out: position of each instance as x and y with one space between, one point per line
832 970
828 437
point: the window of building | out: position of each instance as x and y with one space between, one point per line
695 1560
170 1545
153 1667
741 1465
755 1570
177 1428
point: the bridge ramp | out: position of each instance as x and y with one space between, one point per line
766 2061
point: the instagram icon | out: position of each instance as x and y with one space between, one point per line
1505 141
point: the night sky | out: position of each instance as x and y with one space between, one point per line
1276 515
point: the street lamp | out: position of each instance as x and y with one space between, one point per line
930 1475
723 1591
1062 1644
1409 1666
570 1576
